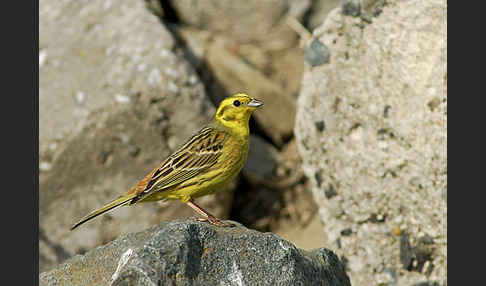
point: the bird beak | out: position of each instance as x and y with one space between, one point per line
255 103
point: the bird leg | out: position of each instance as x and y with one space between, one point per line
207 216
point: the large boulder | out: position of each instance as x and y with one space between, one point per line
371 128
185 252
115 98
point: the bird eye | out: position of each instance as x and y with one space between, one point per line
236 103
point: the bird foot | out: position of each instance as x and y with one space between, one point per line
214 221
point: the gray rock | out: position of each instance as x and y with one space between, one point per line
194 253
262 159
378 8
380 165
351 7
366 17
97 266
406 255
316 53
320 125
114 101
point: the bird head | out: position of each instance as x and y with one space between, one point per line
236 109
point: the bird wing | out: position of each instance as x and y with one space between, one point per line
195 157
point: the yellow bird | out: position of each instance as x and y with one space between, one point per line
204 164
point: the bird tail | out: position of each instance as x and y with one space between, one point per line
114 204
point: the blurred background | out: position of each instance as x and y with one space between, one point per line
348 152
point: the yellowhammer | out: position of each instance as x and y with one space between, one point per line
206 163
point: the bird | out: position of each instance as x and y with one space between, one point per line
206 163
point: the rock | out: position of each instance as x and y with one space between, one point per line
307 235
316 53
319 10
262 159
97 266
406 254
155 6
379 164
195 253
351 7
114 101
286 68
259 22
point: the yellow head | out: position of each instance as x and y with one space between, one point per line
234 111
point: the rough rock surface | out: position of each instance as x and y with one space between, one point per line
254 21
97 266
371 130
114 100
194 253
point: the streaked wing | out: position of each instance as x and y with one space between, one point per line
193 158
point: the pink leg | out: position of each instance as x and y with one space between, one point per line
207 216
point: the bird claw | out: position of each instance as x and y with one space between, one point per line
214 221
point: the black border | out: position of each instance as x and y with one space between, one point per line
35 86
19 133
